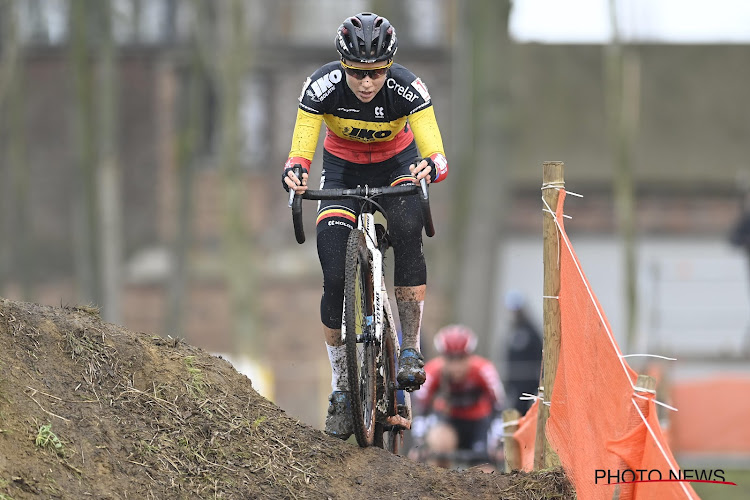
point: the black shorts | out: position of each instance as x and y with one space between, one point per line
336 218
472 434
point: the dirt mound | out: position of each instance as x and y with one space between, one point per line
91 410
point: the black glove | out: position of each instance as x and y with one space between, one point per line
433 170
286 174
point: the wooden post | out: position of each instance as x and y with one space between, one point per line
644 385
544 455
510 446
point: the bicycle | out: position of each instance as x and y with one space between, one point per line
368 328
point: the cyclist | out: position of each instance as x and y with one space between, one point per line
381 130
461 396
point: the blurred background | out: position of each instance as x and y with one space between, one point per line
141 144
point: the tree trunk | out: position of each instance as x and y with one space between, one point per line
17 230
622 80
483 190
192 94
239 256
84 212
108 175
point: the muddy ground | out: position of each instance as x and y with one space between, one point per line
91 410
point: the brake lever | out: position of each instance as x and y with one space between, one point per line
423 185
297 169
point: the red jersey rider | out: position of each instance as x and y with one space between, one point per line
462 389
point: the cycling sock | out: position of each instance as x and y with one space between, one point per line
410 303
339 374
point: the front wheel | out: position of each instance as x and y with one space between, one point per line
359 311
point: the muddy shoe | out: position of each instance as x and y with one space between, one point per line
410 370
339 419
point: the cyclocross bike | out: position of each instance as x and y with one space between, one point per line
367 325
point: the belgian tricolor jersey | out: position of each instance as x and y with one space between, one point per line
366 132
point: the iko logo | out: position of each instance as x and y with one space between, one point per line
379 112
320 88
365 135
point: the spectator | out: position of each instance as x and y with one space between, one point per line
523 355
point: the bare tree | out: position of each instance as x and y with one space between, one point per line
481 162
191 103
234 54
108 174
622 87
85 214
17 223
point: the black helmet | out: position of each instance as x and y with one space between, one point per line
366 38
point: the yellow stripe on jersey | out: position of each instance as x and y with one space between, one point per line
306 132
336 212
364 131
402 179
426 132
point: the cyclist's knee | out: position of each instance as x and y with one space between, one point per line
442 439
406 230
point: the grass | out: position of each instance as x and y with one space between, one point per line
45 438
197 383
725 492
4 496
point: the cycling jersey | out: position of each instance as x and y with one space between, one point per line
472 398
372 132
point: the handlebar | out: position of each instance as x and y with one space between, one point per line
295 200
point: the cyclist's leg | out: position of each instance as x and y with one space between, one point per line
410 271
334 223
472 435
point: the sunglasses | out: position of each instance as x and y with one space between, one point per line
361 74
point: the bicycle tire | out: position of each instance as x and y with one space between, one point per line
386 436
360 356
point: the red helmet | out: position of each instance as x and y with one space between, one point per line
455 340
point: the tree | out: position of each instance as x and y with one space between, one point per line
480 166
85 213
17 223
191 102
622 87
108 172
234 49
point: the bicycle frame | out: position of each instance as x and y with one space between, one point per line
380 352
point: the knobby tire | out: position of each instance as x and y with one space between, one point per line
358 305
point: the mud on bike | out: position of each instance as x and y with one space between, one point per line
368 328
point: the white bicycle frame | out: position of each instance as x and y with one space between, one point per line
366 224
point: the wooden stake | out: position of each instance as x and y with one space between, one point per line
544 455
510 445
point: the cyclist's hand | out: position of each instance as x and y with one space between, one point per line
425 169
290 180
